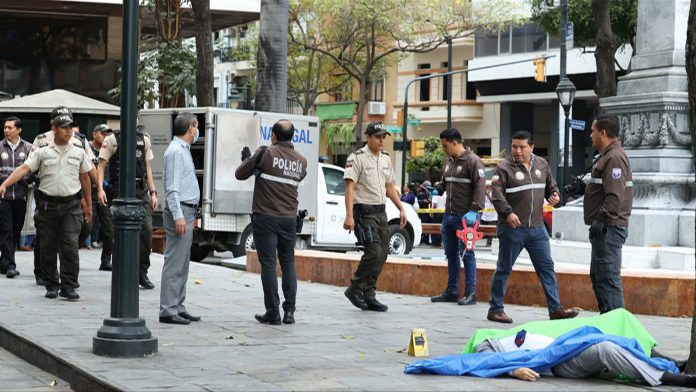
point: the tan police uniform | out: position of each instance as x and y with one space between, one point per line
371 174
58 209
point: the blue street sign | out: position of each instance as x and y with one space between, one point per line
569 35
577 124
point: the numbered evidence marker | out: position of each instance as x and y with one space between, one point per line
418 346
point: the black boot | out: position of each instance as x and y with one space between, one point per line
145 282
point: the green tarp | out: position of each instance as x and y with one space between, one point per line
619 322
335 111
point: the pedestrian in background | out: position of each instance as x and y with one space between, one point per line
279 169
182 196
102 218
520 185
13 152
607 208
145 189
369 181
465 187
62 170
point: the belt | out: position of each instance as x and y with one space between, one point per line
367 209
190 205
60 199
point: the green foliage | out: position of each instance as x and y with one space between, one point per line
432 161
176 70
341 136
147 78
624 17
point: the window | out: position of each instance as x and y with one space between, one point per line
424 94
505 41
335 184
513 39
486 43
377 90
445 82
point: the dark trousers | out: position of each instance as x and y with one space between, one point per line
376 251
60 224
11 222
605 267
105 230
453 250
536 241
275 236
145 229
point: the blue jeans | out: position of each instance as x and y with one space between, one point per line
453 249
605 267
536 241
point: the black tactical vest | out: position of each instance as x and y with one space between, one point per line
140 168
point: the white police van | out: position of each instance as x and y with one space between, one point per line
224 221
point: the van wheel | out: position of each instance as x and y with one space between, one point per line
246 242
399 241
199 252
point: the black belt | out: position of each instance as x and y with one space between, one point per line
191 205
367 209
60 199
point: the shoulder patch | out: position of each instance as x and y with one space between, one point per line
349 164
42 136
358 152
495 179
385 153
616 173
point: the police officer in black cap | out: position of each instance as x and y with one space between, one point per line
101 212
369 181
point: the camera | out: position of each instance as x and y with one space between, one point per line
575 188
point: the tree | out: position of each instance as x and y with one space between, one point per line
431 162
691 89
601 23
363 36
272 63
204 52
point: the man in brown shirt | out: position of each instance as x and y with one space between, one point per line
607 207
279 169
520 185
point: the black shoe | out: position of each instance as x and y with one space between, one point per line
268 318
11 273
69 294
145 282
373 304
446 296
468 299
356 298
175 319
289 317
107 267
39 281
51 292
189 316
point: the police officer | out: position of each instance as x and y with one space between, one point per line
369 181
520 185
465 182
279 170
13 152
102 211
62 170
46 139
607 208
144 189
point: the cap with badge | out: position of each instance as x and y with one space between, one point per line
63 121
60 110
376 128
102 128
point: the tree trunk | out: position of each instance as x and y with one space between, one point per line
691 87
272 64
605 85
205 71
361 107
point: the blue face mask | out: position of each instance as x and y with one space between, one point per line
195 138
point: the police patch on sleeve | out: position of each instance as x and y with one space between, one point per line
616 173
481 172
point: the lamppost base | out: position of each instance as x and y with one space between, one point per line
124 338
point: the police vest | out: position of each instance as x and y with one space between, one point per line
140 167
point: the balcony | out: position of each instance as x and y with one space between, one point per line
232 54
430 112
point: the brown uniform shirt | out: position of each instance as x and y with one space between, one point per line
609 195
522 191
281 169
465 183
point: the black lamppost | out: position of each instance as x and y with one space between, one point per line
566 95
449 81
124 333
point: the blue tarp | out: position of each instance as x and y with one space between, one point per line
489 364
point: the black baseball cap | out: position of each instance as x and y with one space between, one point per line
376 128
57 111
102 128
62 121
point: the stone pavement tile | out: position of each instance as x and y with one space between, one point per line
306 384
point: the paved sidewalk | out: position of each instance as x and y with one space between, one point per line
18 375
333 346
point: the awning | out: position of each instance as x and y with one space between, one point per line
335 111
